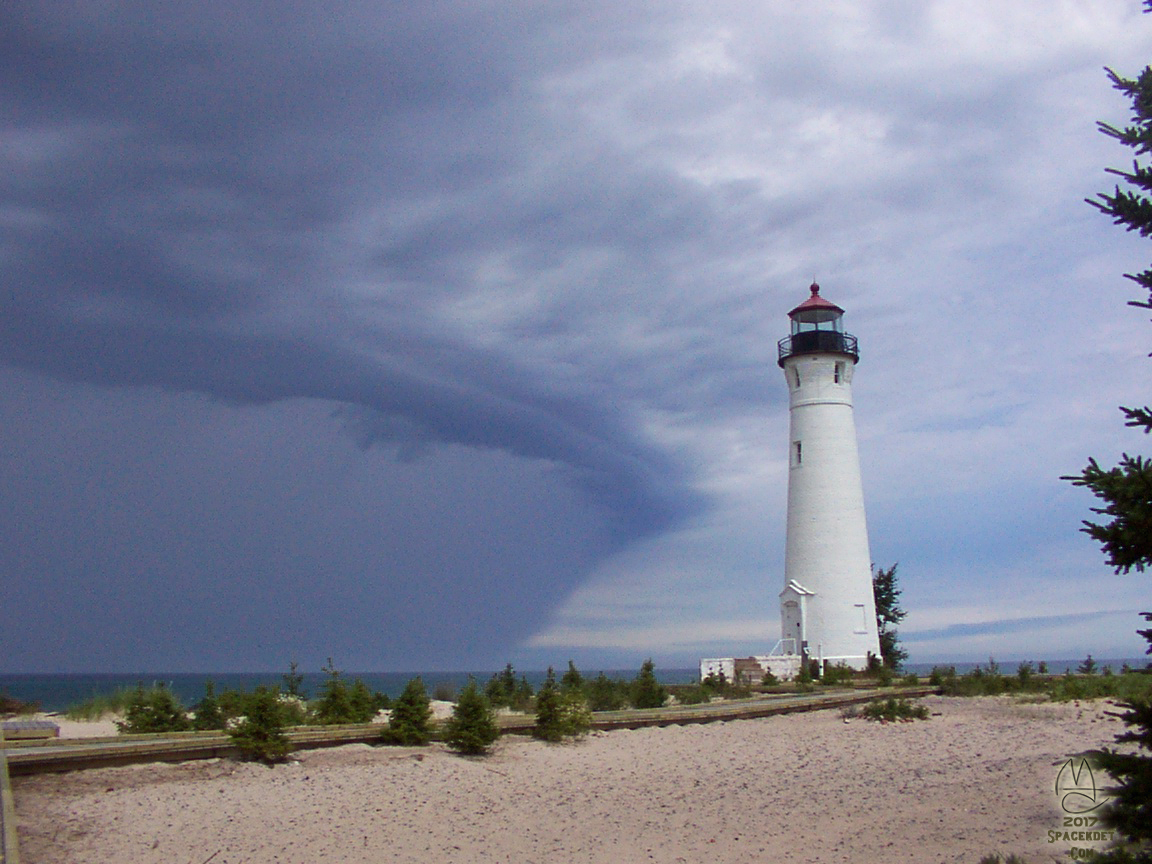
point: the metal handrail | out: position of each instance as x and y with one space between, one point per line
817 342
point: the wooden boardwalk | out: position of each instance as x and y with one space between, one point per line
62 754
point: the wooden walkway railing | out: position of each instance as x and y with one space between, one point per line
9 851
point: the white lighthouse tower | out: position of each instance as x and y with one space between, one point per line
827 605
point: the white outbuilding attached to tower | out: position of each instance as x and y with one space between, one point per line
827 604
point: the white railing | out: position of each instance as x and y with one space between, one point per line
783 647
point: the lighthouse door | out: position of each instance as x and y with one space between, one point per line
793 626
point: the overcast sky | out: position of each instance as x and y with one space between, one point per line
443 334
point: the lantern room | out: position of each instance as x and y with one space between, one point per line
817 328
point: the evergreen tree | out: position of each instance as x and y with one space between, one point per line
888 615
495 694
604 694
411 720
208 713
260 735
472 727
1126 491
294 681
561 712
647 692
333 705
524 695
154 710
363 703
1129 811
572 679
548 714
501 688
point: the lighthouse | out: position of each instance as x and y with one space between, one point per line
827 609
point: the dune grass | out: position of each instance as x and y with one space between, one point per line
1126 686
101 705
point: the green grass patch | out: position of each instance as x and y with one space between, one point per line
1058 688
101 705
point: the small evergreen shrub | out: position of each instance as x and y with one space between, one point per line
694 694
893 709
293 710
910 680
769 680
153 710
607 694
411 722
572 681
334 704
718 686
445 691
978 682
472 727
548 723
647 692
560 713
840 673
942 675
501 688
294 682
233 703
524 695
1088 667
363 703
260 735
716 682
206 713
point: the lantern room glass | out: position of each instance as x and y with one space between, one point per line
807 320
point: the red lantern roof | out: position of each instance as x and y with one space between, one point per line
816 302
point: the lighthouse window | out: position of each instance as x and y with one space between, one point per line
862 619
797 453
796 375
838 373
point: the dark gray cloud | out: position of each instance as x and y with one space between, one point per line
205 185
263 203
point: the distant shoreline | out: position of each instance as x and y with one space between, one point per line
56 692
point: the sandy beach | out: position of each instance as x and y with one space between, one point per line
976 778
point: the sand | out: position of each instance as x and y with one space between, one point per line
976 778
105 727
